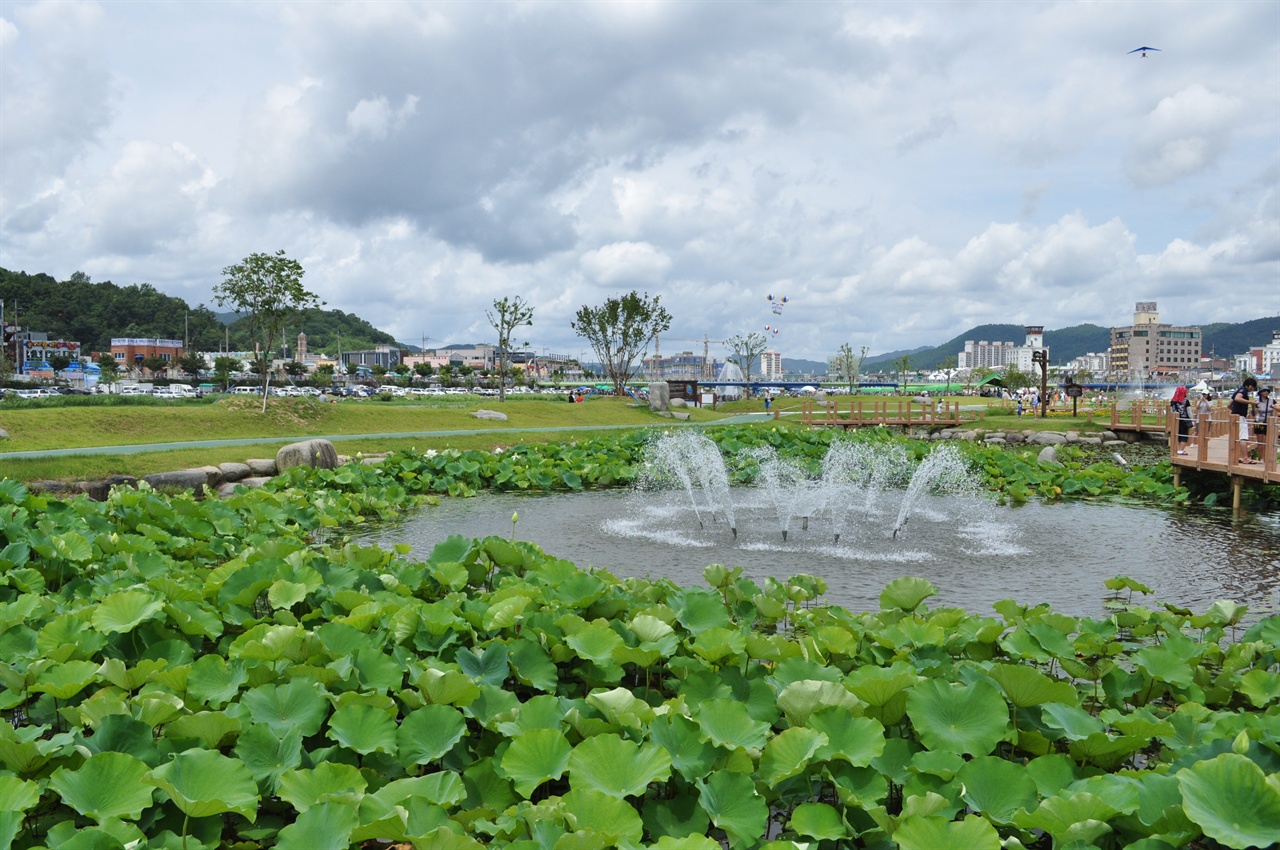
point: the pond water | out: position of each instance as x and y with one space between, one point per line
976 552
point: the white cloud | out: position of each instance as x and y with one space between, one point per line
1184 134
626 264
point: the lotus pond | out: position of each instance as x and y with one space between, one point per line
245 673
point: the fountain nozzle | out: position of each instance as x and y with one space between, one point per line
837 539
735 533
784 535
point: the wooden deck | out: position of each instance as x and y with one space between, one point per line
1214 445
860 413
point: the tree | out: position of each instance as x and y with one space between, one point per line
223 367
323 375
191 363
850 364
108 369
154 365
903 365
745 351
59 362
507 315
446 375
294 369
949 366
267 289
423 370
619 332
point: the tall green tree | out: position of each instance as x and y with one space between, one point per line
191 363
108 369
223 367
903 365
267 290
507 315
619 332
154 365
744 349
850 364
949 367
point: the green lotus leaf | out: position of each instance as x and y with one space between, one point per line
620 707
487 668
728 723
800 699
997 788
884 691
788 753
675 818
1262 687
1078 817
595 811
203 783
618 767
18 795
127 678
1105 750
441 789
691 754
1165 665
533 666
364 729
123 612
211 728
1230 798
286 594
650 629
1026 686
93 838
931 833
214 681
448 687
541 712
732 803
1052 774
65 680
156 708
1076 724
107 785
819 821
965 719
66 637
535 757
328 782
906 594
268 756
718 643
327 826
860 787
699 609
427 733
505 613
283 707
492 704
595 642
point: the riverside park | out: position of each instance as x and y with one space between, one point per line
591 626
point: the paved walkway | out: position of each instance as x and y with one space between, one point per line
335 438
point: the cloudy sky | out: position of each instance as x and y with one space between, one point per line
900 171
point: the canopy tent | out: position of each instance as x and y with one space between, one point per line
992 380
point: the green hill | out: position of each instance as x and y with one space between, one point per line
92 313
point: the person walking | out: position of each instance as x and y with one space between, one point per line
1239 407
1263 410
1179 405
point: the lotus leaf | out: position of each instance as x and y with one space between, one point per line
732 803
1262 687
282 707
427 733
799 700
595 642
214 681
930 833
997 788
698 610
595 811
286 594
534 757
728 723
63 681
505 613
363 728
533 666
1026 686
618 767
327 782
267 755
211 728
203 783
819 821
691 754
327 826
1075 723
620 707
1230 798
18 795
1078 817
440 789
884 690
966 719
106 785
675 817
788 753
906 594
487 668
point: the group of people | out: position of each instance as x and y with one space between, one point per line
1254 415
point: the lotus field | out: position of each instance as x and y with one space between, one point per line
195 674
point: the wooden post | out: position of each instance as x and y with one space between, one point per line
1237 486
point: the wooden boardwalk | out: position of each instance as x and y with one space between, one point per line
1214 445
905 412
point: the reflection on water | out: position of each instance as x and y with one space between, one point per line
975 552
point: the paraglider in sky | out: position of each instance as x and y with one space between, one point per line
1143 50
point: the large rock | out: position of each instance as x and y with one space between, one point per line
235 471
213 474
261 465
4 435
683 416
490 414
678 402
319 454
182 479
659 395
1048 454
1047 438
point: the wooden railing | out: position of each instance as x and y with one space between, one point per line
1214 444
855 413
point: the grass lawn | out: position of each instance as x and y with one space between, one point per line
240 418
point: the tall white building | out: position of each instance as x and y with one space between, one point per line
771 365
997 355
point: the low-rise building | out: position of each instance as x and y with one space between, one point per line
1150 348
129 352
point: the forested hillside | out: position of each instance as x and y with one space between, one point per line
92 313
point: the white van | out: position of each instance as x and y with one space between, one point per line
246 391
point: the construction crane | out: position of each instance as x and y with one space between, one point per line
706 351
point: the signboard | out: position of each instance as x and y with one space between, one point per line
1073 390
